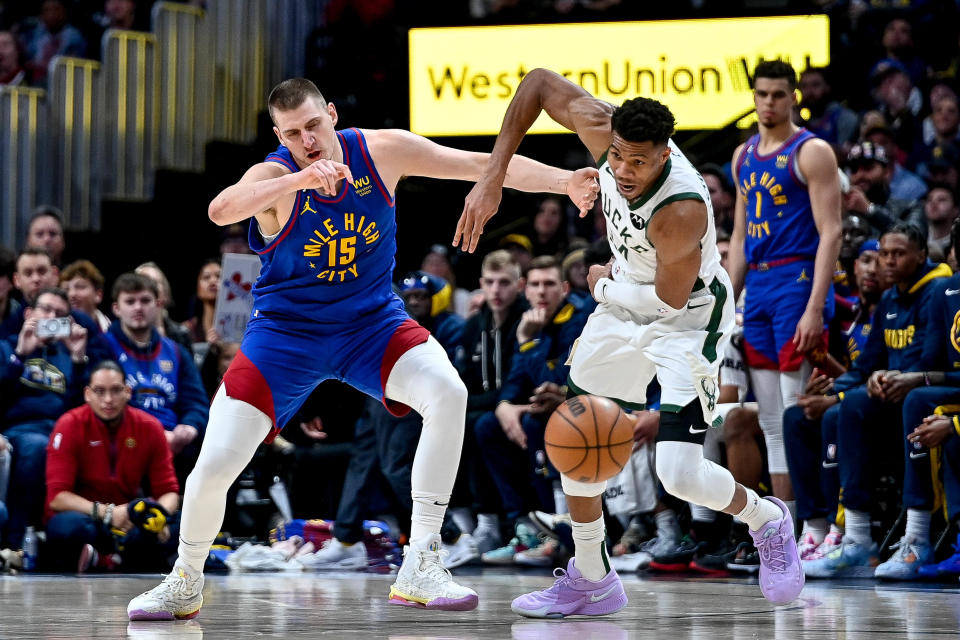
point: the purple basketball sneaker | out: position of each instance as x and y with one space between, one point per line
781 573
573 595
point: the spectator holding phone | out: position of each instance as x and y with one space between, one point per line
42 372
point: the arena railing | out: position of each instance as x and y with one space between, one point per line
23 132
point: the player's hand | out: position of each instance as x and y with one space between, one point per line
896 387
809 331
819 383
596 272
546 398
814 406
323 176
646 426
531 323
583 188
856 200
509 416
480 205
314 429
875 384
933 431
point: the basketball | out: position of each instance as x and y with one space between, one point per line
589 438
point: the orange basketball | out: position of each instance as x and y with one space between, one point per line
589 439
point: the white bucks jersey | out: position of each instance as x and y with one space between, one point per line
636 257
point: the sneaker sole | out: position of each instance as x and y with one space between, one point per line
608 607
343 565
710 571
140 614
467 603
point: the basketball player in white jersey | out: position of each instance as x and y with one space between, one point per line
666 309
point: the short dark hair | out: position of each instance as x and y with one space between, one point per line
134 283
945 186
914 234
107 365
46 211
546 262
776 70
642 119
290 94
55 291
32 251
955 238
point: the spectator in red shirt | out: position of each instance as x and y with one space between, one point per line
101 456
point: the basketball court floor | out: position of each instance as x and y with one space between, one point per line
341 605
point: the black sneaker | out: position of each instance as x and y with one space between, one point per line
678 558
715 562
746 559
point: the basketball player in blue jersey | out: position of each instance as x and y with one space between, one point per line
665 309
785 243
322 219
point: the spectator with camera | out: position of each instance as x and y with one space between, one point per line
162 375
97 460
42 371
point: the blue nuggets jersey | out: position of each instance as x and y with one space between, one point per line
857 335
153 378
779 218
333 260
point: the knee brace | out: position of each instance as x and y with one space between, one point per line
686 425
581 489
686 474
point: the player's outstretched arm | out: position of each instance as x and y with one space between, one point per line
400 153
565 102
736 260
818 164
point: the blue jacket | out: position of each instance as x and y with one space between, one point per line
543 358
941 347
899 326
40 386
164 379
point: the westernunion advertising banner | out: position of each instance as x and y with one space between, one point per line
462 79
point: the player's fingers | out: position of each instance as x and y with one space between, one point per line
458 234
475 235
344 172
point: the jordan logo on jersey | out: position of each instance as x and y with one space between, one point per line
307 207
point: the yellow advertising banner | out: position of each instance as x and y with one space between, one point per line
463 78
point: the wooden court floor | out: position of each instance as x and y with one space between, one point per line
341 605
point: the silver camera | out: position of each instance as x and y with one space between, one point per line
53 328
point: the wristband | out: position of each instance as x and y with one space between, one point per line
108 514
926 378
94 510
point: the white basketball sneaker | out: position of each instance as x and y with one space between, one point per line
461 552
423 582
178 597
335 555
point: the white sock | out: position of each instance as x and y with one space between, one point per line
758 511
591 555
858 527
428 511
699 513
918 525
817 527
464 518
488 521
667 526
